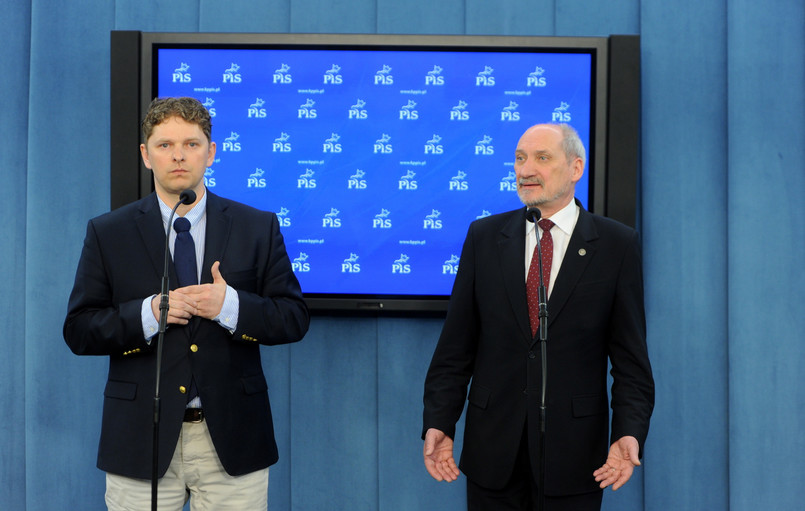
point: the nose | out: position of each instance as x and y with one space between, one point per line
178 154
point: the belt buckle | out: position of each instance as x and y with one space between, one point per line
194 415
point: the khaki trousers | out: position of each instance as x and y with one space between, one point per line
195 474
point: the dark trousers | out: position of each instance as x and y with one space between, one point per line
520 492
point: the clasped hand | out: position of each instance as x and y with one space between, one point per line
203 300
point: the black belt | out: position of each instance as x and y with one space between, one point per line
193 415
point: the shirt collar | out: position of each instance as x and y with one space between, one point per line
564 219
192 215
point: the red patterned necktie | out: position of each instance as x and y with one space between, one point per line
532 282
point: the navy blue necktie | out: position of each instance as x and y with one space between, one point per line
184 259
184 253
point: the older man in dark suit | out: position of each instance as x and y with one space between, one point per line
216 437
595 315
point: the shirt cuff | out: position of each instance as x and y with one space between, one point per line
150 324
228 317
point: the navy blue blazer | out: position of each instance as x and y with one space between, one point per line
121 264
595 314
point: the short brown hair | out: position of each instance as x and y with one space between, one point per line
189 109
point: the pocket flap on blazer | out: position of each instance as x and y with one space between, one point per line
120 390
584 406
479 396
254 384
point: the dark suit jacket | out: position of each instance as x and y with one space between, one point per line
121 264
595 312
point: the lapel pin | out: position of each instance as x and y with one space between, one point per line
582 252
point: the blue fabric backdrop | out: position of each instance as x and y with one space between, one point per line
722 218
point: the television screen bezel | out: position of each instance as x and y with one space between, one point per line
132 86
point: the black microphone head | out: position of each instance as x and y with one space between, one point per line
187 197
533 214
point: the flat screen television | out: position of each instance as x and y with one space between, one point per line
375 151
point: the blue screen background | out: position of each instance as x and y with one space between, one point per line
375 161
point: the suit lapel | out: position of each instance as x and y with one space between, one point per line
580 252
511 246
217 236
149 224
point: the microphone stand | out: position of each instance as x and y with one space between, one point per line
186 197
543 337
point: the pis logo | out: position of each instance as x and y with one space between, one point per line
510 113
300 264
450 267
180 74
407 182
509 183
256 179
459 112
382 220
383 77
432 146
331 145
484 146
350 264
282 76
231 142
535 78
401 265
357 111
306 110
282 216
382 146
209 181
432 220
485 78
434 76
208 102
281 144
332 77
560 113
331 219
408 111
256 110
231 74
356 180
306 180
457 182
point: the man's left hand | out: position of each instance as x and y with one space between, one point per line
621 461
209 297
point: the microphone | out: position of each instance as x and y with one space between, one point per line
533 214
186 197
189 197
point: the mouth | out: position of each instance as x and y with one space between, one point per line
529 185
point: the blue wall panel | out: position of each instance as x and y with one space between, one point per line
766 73
334 415
515 17
404 354
68 119
420 17
723 224
15 55
684 213
319 16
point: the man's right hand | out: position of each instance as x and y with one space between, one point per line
438 454
180 308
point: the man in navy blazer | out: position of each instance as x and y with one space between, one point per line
595 315
216 437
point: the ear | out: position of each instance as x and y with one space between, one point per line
578 170
144 154
211 154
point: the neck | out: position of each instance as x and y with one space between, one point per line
172 198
